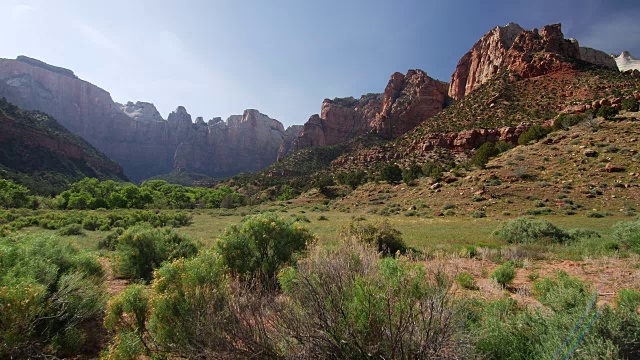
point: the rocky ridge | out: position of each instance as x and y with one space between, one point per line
135 135
527 53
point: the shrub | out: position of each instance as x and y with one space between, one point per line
466 281
432 169
49 292
192 310
630 104
348 303
13 195
411 173
627 233
485 152
505 273
386 239
261 244
565 121
607 112
73 229
353 179
140 250
478 214
391 173
534 133
526 230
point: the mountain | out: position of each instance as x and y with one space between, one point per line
626 62
135 134
38 152
407 100
528 53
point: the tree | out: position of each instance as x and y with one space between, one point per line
13 195
391 174
607 112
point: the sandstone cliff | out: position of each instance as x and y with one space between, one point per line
527 53
135 135
626 62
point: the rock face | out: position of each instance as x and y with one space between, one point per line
527 53
626 62
135 135
406 102
483 60
290 135
409 100
597 57
141 111
340 119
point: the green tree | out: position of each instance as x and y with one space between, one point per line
607 112
13 195
391 173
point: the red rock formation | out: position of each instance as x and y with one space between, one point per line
409 100
341 119
526 53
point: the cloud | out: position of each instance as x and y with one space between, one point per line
19 12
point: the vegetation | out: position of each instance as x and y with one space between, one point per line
391 173
534 133
14 196
530 231
607 112
385 238
488 150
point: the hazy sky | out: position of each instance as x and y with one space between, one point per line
218 58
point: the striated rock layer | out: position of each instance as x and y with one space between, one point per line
135 135
527 53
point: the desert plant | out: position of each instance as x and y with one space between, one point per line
385 238
607 112
534 133
391 173
630 104
526 230
466 280
261 244
505 273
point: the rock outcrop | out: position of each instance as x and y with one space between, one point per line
141 111
409 100
527 53
626 62
341 119
290 135
597 57
135 135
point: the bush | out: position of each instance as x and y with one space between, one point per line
13 195
630 104
432 169
485 152
386 239
466 280
49 292
565 121
627 233
140 250
607 112
478 214
505 273
73 229
348 303
352 179
391 173
261 244
411 173
192 310
526 230
534 133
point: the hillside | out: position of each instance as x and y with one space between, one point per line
38 152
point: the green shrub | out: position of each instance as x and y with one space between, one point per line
488 150
534 133
478 214
355 305
627 233
261 244
466 280
565 121
432 169
505 273
630 104
140 250
607 112
530 231
13 195
353 179
73 229
411 173
391 173
385 238
49 291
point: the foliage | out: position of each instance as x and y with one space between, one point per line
432 169
627 233
191 310
565 121
48 290
348 303
534 133
391 173
286 193
72 229
525 230
466 281
505 273
487 151
630 104
13 195
411 173
140 250
261 244
607 112
352 179
385 238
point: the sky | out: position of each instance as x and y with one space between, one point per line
281 57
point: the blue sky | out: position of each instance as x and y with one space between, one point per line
218 58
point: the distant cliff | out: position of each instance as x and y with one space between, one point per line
135 135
